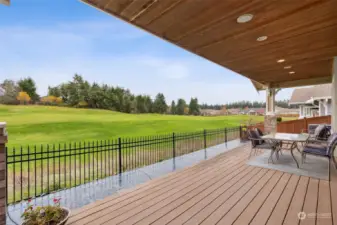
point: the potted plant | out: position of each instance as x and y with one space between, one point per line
45 215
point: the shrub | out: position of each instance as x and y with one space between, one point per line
279 119
23 97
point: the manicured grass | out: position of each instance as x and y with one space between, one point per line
30 125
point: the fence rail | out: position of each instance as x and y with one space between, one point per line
34 171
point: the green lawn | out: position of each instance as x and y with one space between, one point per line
42 124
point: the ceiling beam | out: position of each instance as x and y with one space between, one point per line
5 2
304 82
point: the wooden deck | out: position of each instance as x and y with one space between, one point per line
222 190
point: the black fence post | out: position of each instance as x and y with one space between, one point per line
240 129
120 155
174 145
205 138
174 151
226 135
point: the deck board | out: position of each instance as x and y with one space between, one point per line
171 211
333 192
222 190
310 202
324 204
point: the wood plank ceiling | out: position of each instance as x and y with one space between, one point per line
6 2
303 32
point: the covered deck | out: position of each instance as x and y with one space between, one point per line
222 190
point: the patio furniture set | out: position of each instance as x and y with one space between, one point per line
319 143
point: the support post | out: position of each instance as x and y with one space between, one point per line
3 173
270 101
334 97
270 123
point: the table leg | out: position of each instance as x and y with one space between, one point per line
293 146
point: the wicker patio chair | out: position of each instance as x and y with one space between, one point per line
321 148
257 143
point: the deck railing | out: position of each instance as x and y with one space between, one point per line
34 171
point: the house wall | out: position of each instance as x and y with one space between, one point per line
322 108
329 107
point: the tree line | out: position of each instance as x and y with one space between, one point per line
245 104
83 94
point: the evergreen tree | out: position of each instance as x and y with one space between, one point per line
159 104
194 107
173 108
54 91
180 109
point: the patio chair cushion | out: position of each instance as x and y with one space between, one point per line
259 134
259 131
316 149
319 129
323 134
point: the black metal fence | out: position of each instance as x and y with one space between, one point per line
38 170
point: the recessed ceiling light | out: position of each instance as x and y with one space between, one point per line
287 67
244 18
281 60
262 38
291 72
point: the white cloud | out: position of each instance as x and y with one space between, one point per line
170 68
117 54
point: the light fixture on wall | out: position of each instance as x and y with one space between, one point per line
281 60
292 72
287 67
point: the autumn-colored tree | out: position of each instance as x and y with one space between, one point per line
23 97
51 100
58 100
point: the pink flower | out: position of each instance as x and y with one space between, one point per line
56 200
29 200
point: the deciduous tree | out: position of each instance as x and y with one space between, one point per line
11 90
23 97
28 85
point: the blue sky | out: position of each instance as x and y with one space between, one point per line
51 40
